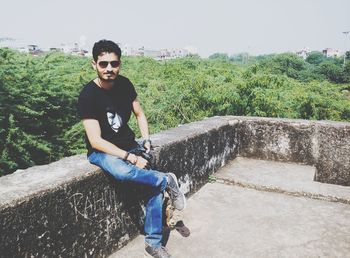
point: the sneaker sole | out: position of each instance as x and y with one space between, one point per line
147 255
182 195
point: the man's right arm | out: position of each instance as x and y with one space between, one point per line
93 131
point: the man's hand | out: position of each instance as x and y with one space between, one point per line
143 125
141 162
138 161
147 146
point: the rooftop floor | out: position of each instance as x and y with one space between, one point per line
259 208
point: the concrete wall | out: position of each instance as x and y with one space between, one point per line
72 209
323 144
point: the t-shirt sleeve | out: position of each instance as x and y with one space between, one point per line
86 107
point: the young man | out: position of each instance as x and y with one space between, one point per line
105 105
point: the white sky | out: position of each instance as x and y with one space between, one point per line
227 26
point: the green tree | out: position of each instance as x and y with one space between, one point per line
315 58
288 64
347 55
38 96
331 70
346 73
220 56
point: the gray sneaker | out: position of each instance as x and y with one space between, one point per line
177 197
156 252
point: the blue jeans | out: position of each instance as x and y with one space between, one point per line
124 171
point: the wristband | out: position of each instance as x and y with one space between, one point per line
145 141
126 156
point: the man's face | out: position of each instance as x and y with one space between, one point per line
107 66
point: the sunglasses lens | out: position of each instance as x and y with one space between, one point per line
115 64
103 64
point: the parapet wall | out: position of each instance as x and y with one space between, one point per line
323 144
72 209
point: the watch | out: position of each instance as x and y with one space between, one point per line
145 141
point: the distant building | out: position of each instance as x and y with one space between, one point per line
303 53
191 50
34 50
74 49
329 52
14 44
55 49
165 54
78 49
156 54
125 49
179 52
21 46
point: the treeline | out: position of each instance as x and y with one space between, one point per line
316 66
38 96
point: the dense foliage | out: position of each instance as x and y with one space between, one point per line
38 96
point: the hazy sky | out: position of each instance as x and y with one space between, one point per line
228 26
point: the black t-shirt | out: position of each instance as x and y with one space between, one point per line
112 108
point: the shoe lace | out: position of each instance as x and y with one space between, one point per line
174 194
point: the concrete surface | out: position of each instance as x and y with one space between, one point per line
289 178
228 220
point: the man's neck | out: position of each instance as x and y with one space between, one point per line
103 84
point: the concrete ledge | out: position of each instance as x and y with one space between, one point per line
72 209
323 144
281 177
333 153
196 150
278 139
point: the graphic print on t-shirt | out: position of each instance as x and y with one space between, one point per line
114 120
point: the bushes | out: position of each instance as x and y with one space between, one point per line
38 96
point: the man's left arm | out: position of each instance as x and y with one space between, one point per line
142 122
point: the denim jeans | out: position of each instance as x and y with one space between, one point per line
124 171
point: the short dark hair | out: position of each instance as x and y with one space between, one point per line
107 46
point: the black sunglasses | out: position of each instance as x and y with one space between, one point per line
104 64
